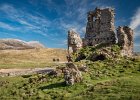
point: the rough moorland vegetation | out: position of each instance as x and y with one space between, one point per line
116 78
99 52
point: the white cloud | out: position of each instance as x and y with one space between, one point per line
13 35
38 24
76 10
73 25
62 43
135 23
73 15
7 26
32 23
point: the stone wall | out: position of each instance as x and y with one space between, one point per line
100 27
74 41
125 40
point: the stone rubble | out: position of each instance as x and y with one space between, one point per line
72 74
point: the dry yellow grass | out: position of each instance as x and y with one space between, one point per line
30 58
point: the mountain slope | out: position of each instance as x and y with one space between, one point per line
18 44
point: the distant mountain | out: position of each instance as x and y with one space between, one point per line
19 44
35 44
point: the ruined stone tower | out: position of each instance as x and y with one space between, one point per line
125 40
100 27
74 41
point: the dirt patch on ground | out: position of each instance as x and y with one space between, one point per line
16 72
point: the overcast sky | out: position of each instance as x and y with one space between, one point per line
48 21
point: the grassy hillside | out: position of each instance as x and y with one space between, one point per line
111 78
30 58
105 80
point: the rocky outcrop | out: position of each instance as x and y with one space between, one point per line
72 74
100 27
125 40
18 44
74 41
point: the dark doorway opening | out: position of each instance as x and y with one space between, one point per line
100 57
80 57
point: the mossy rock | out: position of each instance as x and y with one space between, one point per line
99 52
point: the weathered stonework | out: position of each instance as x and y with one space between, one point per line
74 41
125 40
100 27
72 74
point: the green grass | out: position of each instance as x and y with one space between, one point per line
110 79
106 80
90 52
123 88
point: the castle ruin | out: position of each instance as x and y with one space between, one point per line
74 41
125 40
100 29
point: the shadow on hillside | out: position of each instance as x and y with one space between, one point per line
52 86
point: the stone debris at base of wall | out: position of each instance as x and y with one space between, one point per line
72 74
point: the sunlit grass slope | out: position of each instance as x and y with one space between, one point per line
30 58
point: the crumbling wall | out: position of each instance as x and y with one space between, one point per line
100 27
74 41
125 40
